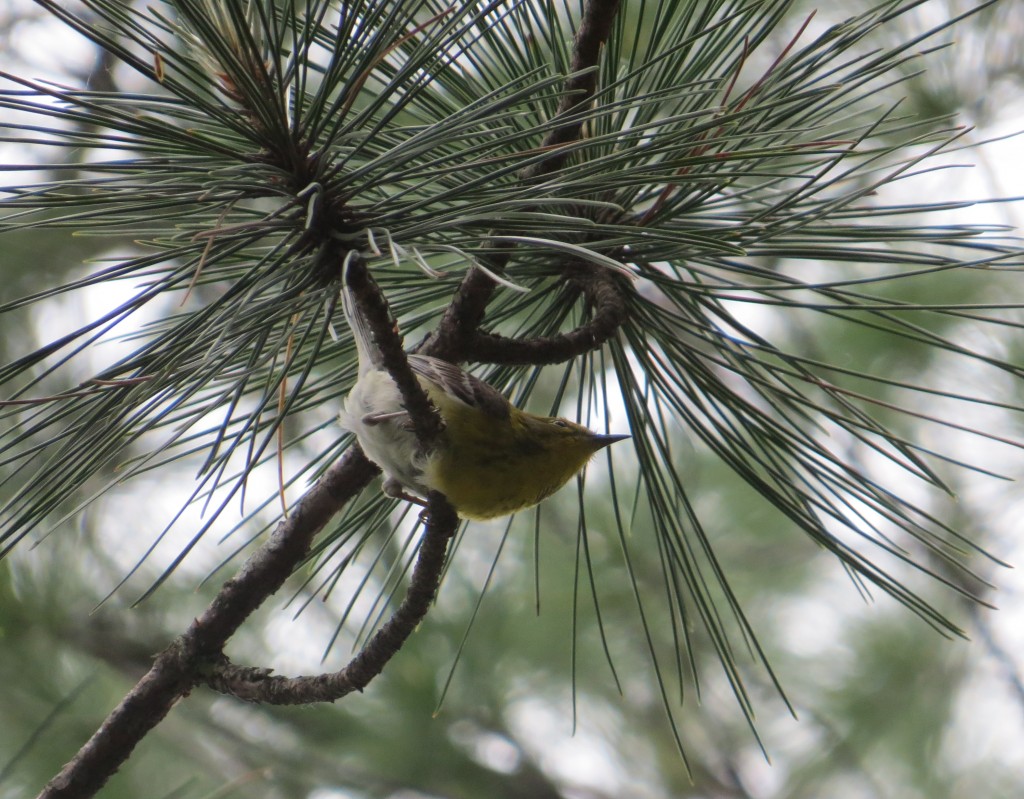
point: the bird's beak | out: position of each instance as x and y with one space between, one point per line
602 441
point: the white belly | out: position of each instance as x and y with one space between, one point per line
391 444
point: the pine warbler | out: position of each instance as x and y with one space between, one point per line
493 459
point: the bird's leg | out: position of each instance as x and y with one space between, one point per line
394 489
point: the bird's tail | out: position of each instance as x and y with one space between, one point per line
369 354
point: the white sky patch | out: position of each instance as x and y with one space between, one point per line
487 748
586 759
334 793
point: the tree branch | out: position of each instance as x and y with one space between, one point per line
426 421
594 30
175 670
466 311
187 661
257 685
605 293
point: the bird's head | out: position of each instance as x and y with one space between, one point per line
572 441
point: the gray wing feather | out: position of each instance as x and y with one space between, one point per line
461 384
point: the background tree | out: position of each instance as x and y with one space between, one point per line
738 160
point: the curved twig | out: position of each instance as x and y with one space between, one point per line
606 295
257 685
174 672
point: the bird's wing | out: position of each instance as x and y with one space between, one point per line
461 384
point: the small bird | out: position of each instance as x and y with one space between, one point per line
491 460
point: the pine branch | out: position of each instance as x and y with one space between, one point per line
606 296
257 685
180 667
592 34
425 419
187 662
466 312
